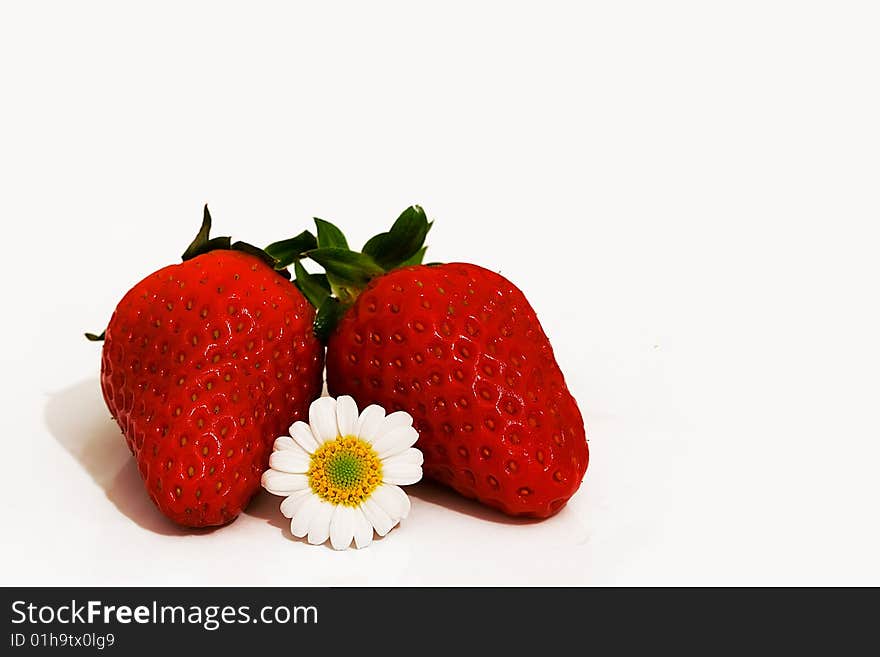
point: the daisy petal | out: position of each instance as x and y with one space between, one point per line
395 441
363 530
301 522
370 422
294 502
403 499
392 500
283 442
377 517
302 434
342 527
288 444
346 416
398 419
402 474
288 460
283 483
322 419
319 528
411 455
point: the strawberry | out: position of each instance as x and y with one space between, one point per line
204 363
459 348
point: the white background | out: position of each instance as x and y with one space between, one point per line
687 192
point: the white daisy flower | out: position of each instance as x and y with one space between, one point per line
341 473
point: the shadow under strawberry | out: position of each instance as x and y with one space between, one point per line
77 418
437 494
264 507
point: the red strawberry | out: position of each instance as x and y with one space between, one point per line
460 348
204 364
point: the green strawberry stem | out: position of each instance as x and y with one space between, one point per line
346 271
203 243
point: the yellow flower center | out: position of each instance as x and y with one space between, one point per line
345 471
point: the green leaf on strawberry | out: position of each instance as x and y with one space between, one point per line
405 239
287 252
329 314
203 242
416 259
329 236
315 287
348 272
